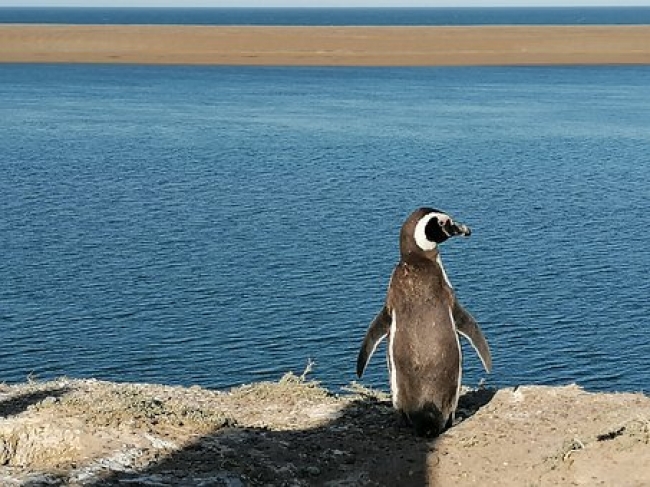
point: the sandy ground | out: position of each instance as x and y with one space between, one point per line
294 433
359 46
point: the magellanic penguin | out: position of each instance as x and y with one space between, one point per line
422 320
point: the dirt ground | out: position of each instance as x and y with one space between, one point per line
295 433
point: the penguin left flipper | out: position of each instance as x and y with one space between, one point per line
377 331
467 326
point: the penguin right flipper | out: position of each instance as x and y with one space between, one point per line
377 331
467 326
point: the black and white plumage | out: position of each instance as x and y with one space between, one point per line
422 320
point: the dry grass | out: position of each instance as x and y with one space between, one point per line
295 432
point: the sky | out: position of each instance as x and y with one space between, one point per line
316 3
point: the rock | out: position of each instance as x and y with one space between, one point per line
293 432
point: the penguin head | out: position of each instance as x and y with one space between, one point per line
426 228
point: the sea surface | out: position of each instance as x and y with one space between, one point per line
222 225
330 16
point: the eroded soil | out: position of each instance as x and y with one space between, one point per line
295 433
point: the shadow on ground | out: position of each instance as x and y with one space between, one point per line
20 403
363 445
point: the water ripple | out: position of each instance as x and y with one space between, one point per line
224 225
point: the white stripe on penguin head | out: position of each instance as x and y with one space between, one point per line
420 234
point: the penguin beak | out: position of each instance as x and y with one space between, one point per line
455 228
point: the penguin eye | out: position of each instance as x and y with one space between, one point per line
424 232
429 231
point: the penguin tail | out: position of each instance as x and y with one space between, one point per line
429 421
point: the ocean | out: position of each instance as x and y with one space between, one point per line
222 225
330 16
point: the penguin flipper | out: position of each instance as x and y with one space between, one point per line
377 331
467 326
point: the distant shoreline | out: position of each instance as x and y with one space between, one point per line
325 46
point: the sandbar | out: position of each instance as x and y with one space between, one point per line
325 46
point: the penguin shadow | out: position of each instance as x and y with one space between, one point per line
471 401
20 403
363 445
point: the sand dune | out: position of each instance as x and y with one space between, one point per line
335 46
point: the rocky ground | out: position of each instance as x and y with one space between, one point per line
294 433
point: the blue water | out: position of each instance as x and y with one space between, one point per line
220 225
329 16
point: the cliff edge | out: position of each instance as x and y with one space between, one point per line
295 433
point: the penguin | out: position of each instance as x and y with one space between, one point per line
422 321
